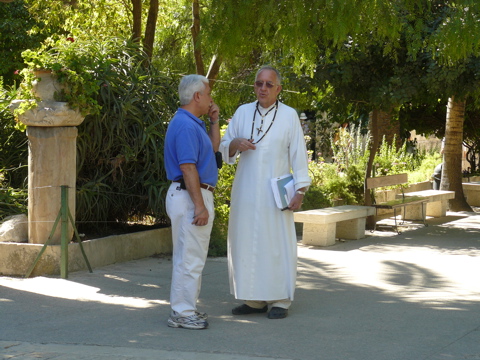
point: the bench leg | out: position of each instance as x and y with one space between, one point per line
351 229
437 208
413 212
318 234
472 196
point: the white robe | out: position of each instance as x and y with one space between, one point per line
262 244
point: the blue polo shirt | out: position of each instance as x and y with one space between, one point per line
187 142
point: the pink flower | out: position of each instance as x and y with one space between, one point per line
17 72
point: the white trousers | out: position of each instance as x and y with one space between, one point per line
190 248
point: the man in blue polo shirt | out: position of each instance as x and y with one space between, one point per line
191 166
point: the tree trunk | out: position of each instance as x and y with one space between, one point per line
374 133
197 46
452 155
214 70
389 128
149 38
137 20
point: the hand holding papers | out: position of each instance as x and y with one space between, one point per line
283 190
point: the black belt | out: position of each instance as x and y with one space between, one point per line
203 186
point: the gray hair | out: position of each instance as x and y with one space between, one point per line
189 85
268 67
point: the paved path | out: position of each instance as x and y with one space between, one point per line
414 296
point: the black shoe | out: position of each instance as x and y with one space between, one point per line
245 310
277 313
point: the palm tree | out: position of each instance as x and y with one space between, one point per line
452 154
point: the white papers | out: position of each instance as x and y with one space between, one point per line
283 190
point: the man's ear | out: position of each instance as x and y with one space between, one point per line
196 96
279 88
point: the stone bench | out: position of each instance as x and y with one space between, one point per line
471 191
437 203
401 202
322 226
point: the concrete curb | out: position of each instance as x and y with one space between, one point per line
16 258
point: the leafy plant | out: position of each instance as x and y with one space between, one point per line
121 176
13 160
219 235
75 64
389 160
12 201
424 171
13 144
350 146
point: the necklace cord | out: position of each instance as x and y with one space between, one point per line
261 125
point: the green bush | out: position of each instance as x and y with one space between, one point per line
315 198
12 201
390 161
424 171
218 238
121 176
13 160
13 144
330 185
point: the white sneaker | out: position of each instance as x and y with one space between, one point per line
203 316
193 322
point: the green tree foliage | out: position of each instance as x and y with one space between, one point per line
13 144
18 31
13 159
97 19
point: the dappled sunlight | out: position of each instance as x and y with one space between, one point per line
409 274
420 250
232 319
114 277
70 290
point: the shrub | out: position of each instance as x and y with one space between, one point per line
389 160
13 160
218 238
330 185
12 201
424 171
121 176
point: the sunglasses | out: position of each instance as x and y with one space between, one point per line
268 84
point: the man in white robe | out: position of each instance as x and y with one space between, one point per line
262 246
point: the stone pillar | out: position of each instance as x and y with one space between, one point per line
52 134
51 163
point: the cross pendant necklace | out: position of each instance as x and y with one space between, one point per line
260 129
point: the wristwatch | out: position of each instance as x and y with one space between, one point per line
300 192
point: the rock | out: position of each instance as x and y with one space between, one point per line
14 229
